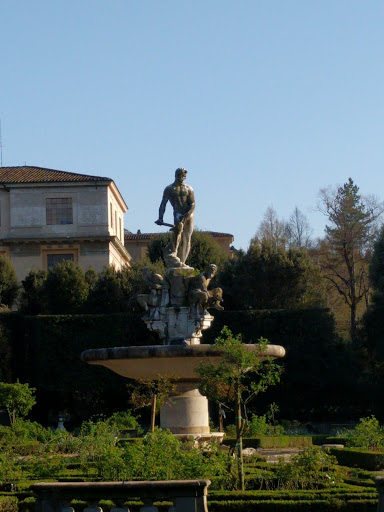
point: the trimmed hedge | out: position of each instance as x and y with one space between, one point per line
45 352
335 505
354 458
272 441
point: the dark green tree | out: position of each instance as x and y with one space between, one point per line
107 294
65 289
9 288
349 235
372 332
204 250
33 297
271 277
115 290
17 398
376 270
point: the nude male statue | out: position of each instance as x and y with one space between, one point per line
182 199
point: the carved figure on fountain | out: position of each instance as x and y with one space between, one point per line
154 302
200 298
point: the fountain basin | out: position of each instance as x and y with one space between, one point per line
149 362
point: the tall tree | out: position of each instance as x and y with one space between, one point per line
349 234
376 270
298 232
271 229
372 333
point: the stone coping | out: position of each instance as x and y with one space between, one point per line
168 351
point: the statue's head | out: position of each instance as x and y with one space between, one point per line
211 270
180 174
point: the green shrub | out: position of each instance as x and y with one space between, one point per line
313 468
161 456
123 420
8 504
259 426
368 434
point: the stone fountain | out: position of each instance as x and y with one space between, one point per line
176 307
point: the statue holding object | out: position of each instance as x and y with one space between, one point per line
182 199
177 304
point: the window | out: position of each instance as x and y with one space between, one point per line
59 210
120 229
111 215
55 258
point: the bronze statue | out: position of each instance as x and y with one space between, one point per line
182 199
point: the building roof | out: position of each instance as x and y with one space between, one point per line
146 236
31 174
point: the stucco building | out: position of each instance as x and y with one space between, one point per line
48 216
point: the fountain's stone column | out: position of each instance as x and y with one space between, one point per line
186 413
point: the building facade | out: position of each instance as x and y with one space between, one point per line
49 216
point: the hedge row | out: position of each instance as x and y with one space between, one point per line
272 441
45 351
343 492
325 504
353 458
294 506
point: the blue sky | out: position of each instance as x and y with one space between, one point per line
264 102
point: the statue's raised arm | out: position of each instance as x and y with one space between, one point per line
182 199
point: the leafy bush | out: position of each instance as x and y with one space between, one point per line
8 504
17 398
123 420
367 434
313 468
161 456
259 426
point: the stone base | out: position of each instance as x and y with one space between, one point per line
186 414
202 438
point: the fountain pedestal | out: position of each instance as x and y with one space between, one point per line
186 413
